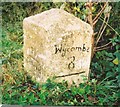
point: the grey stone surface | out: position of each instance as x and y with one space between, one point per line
56 43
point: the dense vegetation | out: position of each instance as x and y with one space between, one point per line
103 86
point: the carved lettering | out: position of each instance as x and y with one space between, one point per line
84 48
88 49
58 49
78 48
63 51
71 65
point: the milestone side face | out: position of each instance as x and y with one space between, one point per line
58 44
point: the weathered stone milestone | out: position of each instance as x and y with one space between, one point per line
57 44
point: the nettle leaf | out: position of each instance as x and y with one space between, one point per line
116 61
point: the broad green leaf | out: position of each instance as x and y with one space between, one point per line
115 61
81 91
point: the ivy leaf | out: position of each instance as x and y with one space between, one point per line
115 61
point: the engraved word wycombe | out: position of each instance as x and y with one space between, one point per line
63 50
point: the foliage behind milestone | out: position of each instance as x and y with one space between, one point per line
18 88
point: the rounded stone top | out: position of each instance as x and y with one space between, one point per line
59 18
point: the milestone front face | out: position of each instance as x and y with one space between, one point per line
58 44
